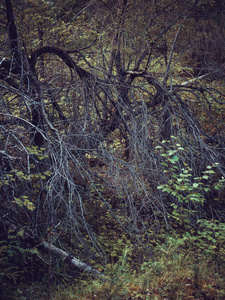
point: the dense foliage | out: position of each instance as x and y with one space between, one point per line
111 138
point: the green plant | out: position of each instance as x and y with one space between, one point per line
120 283
17 261
118 276
188 193
174 273
9 274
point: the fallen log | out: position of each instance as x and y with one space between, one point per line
71 259
38 242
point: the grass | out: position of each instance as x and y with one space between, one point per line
171 275
173 272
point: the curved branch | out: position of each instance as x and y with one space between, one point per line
62 54
22 122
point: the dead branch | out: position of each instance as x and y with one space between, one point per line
71 259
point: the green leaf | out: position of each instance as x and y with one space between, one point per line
210 172
195 199
171 152
175 158
160 187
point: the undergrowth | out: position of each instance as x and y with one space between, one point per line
174 273
186 261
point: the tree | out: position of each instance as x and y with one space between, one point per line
80 125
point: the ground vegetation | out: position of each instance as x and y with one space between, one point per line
112 147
